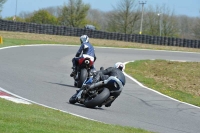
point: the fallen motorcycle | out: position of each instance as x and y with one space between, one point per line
99 94
83 71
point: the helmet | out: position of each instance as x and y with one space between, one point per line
120 66
84 38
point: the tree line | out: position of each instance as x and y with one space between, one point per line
124 18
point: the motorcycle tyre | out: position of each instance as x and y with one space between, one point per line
75 83
99 99
83 77
72 100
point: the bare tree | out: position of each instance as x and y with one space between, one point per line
196 28
124 17
25 15
74 13
166 21
185 26
151 21
97 18
1 4
169 23
55 11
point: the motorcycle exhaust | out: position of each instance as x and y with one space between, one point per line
98 84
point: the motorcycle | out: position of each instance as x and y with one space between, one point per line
99 94
83 71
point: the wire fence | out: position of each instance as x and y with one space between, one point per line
6 25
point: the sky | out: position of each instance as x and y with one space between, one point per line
181 7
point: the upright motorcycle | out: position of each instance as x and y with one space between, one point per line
83 71
99 93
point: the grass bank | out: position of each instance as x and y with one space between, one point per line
179 80
19 118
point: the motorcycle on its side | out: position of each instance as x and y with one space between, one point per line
99 94
83 71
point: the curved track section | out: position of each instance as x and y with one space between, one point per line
41 74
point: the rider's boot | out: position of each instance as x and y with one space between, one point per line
73 72
110 101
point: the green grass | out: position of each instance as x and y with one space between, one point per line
14 42
179 80
19 118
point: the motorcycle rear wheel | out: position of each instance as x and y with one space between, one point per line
83 77
91 102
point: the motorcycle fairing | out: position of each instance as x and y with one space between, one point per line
82 60
114 84
89 81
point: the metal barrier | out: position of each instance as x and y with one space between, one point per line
6 25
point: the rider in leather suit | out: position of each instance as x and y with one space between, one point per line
87 50
102 75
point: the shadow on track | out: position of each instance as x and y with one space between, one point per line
62 84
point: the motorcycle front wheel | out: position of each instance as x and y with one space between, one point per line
73 100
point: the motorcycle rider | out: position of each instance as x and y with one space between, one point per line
87 50
102 75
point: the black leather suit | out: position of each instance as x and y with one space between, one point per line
105 74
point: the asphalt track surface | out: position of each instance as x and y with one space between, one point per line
41 74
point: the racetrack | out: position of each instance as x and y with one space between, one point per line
41 74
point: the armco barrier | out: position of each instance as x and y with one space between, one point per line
6 25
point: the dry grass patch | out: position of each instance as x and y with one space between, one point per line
96 42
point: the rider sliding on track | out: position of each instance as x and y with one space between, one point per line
87 50
116 71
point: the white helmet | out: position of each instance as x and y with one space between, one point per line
84 38
120 66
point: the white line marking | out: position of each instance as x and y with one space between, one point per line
14 99
66 45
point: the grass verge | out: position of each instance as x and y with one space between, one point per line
21 38
179 80
19 118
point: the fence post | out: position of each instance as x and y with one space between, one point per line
195 44
198 44
1 40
